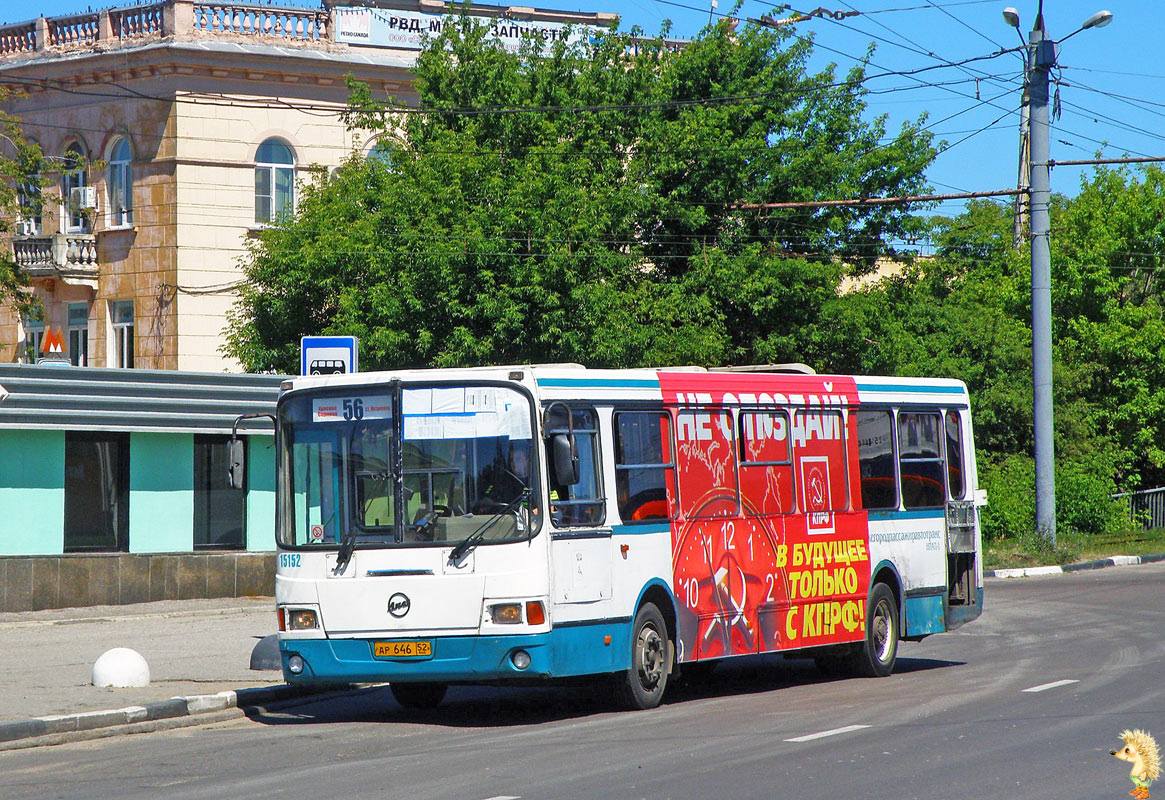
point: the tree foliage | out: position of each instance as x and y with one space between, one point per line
582 202
966 312
22 166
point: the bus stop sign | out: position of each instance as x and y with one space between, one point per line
328 355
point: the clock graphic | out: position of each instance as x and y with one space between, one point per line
728 584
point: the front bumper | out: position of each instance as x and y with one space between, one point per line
562 652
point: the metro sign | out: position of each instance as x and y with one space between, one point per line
52 346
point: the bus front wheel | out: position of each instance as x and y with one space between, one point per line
875 658
642 685
419 696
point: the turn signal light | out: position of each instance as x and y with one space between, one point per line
279 615
535 614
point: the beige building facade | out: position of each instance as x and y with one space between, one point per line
201 123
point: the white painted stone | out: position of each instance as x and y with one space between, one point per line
121 668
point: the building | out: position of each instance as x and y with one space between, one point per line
206 118
114 487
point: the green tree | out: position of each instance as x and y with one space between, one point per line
582 202
22 166
1108 302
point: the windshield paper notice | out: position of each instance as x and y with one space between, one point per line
465 413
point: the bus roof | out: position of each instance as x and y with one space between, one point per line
574 381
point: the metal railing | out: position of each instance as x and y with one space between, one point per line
1146 508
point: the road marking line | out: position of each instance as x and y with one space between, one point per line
505 797
1053 685
811 736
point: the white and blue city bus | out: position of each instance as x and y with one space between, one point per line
527 523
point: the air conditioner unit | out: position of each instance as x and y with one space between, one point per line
81 197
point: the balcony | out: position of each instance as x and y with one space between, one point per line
179 19
72 257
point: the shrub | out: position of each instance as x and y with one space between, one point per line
1084 506
1011 505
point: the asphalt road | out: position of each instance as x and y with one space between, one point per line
1026 702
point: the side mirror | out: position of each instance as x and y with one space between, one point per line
565 461
236 462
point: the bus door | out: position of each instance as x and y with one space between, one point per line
961 518
582 563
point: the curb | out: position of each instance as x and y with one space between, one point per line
1100 563
151 716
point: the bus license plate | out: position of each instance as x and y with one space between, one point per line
402 649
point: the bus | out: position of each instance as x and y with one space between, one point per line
527 523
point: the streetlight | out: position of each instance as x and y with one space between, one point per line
1041 60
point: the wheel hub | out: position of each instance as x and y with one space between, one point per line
650 647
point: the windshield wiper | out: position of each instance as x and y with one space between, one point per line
471 541
347 547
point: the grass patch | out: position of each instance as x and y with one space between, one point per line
1029 551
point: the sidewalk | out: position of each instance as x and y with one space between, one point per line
194 648
1100 563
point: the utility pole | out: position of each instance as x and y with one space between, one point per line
1041 58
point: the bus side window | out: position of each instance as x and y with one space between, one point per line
920 460
876 459
582 503
644 468
820 455
766 463
706 463
955 481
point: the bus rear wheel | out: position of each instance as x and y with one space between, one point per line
875 658
642 685
419 696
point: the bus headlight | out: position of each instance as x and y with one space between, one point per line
302 619
506 613
294 665
520 659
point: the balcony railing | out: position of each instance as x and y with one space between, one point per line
180 18
252 20
59 255
137 21
18 38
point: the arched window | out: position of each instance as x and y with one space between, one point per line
381 152
120 185
274 182
75 176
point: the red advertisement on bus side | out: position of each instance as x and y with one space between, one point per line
769 551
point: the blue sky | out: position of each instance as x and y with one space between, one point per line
1112 84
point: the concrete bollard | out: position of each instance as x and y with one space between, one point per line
121 668
265 654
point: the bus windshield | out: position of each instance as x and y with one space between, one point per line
462 456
